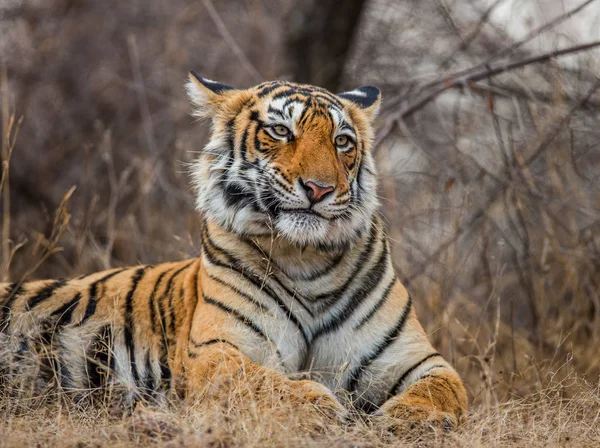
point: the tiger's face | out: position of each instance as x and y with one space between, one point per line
287 159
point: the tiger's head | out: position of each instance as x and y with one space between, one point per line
288 159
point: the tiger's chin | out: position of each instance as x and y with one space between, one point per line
304 229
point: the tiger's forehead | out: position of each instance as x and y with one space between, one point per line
273 90
300 104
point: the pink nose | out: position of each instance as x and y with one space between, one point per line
316 192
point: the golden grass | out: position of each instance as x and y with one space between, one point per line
544 418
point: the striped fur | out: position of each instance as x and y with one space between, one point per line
286 282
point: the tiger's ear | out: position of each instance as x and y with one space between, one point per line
367 98
205 95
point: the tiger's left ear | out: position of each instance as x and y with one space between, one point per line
367 98
205 95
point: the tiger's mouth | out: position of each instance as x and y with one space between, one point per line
304 212
277 209
304 225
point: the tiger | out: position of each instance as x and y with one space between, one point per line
294 276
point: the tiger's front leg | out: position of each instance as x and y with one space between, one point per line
400 379
428 392
217 369
230 349
436 399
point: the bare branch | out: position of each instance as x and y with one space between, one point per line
511 48
499 192
454 81
226 35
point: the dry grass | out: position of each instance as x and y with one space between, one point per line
545 418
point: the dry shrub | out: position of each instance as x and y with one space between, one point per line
544 418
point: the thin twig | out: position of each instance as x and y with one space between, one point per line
511 48
468 40
481 212
222 28
488 71
141 94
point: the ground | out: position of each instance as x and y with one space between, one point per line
545 418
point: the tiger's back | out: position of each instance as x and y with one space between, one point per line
116 327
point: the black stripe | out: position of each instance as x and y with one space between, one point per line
100 360
293 294
234 194
196 277
304 115
164 356
334 295
277 112
51 364
213 341
368 284
248 297
172 310
93 292
150 382
235 265
175 274
152 303
313 275
327 269
327 98
241 318
378 305
310 93
257 145
268 89
65 377
13 292
207 343
128 327
45 293
289 102
286 93
435 366
230 140
243 147
398 384
165 371
65 312
388 340
168 294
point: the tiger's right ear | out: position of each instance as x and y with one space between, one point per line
205 95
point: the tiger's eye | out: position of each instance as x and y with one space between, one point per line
341 140
280 130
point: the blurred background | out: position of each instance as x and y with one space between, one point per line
489 178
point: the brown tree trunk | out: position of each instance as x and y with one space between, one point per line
319 38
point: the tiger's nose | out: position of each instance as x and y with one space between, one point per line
315 192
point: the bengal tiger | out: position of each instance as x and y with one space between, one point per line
295 274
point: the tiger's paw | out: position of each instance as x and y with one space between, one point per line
402 417
317 397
